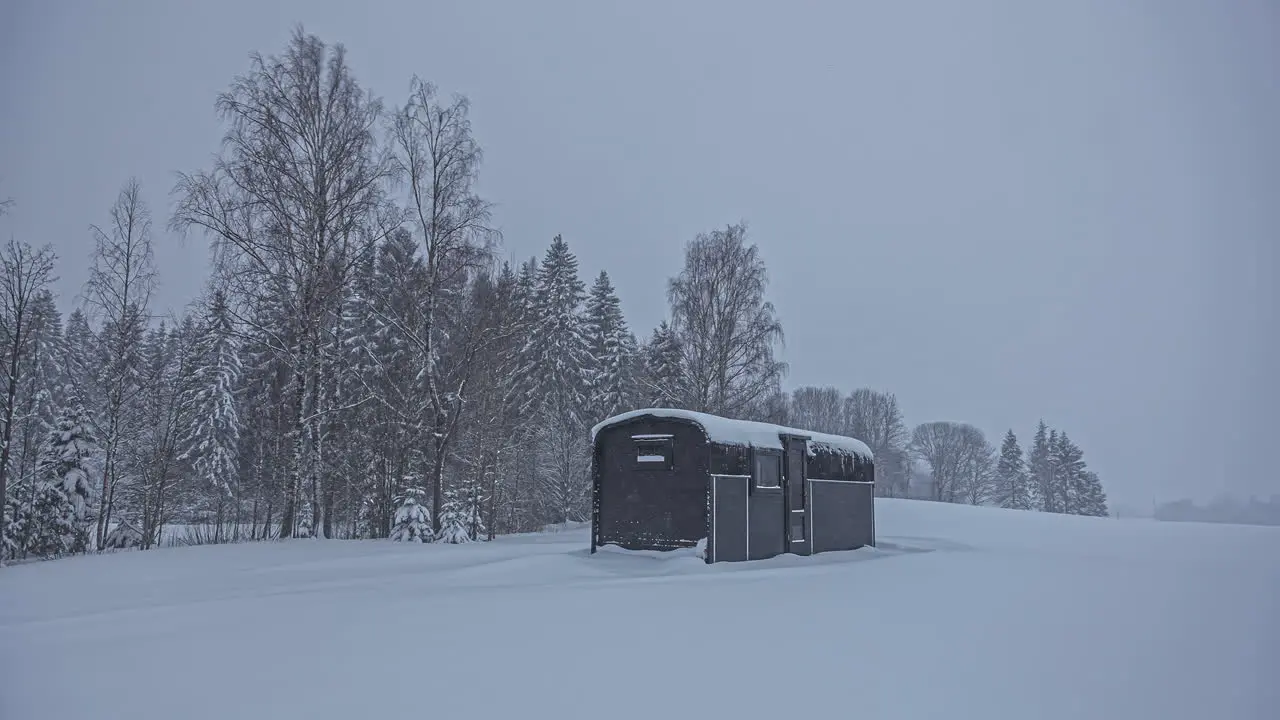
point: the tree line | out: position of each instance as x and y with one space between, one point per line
362 364
951 461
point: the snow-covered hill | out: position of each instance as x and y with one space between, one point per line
960 613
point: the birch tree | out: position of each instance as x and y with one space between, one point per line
726 329
295 200
118 295
439 160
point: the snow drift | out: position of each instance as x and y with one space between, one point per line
959 613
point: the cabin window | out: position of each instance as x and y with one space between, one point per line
768 471
654 453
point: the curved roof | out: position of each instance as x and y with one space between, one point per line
745 432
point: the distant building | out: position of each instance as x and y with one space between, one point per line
664 479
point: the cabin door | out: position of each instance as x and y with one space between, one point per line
796 506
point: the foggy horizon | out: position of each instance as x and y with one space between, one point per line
1000 213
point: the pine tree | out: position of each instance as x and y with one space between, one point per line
263 450
363 430
39 396
212 441
412 522
150 458
556 359
1093 499
663 383
1014 488
1068 473
455 518
58 518
79 363
612 349
557 353
477 527
1039 467
54 527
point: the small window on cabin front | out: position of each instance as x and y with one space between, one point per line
768 471
654 453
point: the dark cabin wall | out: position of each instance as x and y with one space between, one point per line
842 516
843 508
748 519
644 509
767 531
729 498
727 502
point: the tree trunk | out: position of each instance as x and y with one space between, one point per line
288 515
437 478
10 395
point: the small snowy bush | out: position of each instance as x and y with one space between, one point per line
123 536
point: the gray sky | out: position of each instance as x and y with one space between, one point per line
1000 211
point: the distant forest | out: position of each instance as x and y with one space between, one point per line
1225 509
361 364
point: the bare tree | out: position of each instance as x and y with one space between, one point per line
726 329
961 460
818 409
118 294
439 159
875 418
25 272
293 203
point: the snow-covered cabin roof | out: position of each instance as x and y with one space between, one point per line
745 432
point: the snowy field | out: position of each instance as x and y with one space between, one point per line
961 613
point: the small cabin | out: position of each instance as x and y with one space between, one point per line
667 479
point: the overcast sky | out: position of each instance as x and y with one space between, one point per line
1000 211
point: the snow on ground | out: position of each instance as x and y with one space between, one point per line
960 613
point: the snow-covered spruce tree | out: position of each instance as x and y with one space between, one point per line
358 433
58 518
150 459
557 358
24 274
455 518
412 521
1068 473
211 440
38 398
476 504
123 536
521 504
35 408
399 415
1013 487
662 379
264 411
612 349
489 438
1040 468
79 362
1093 499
